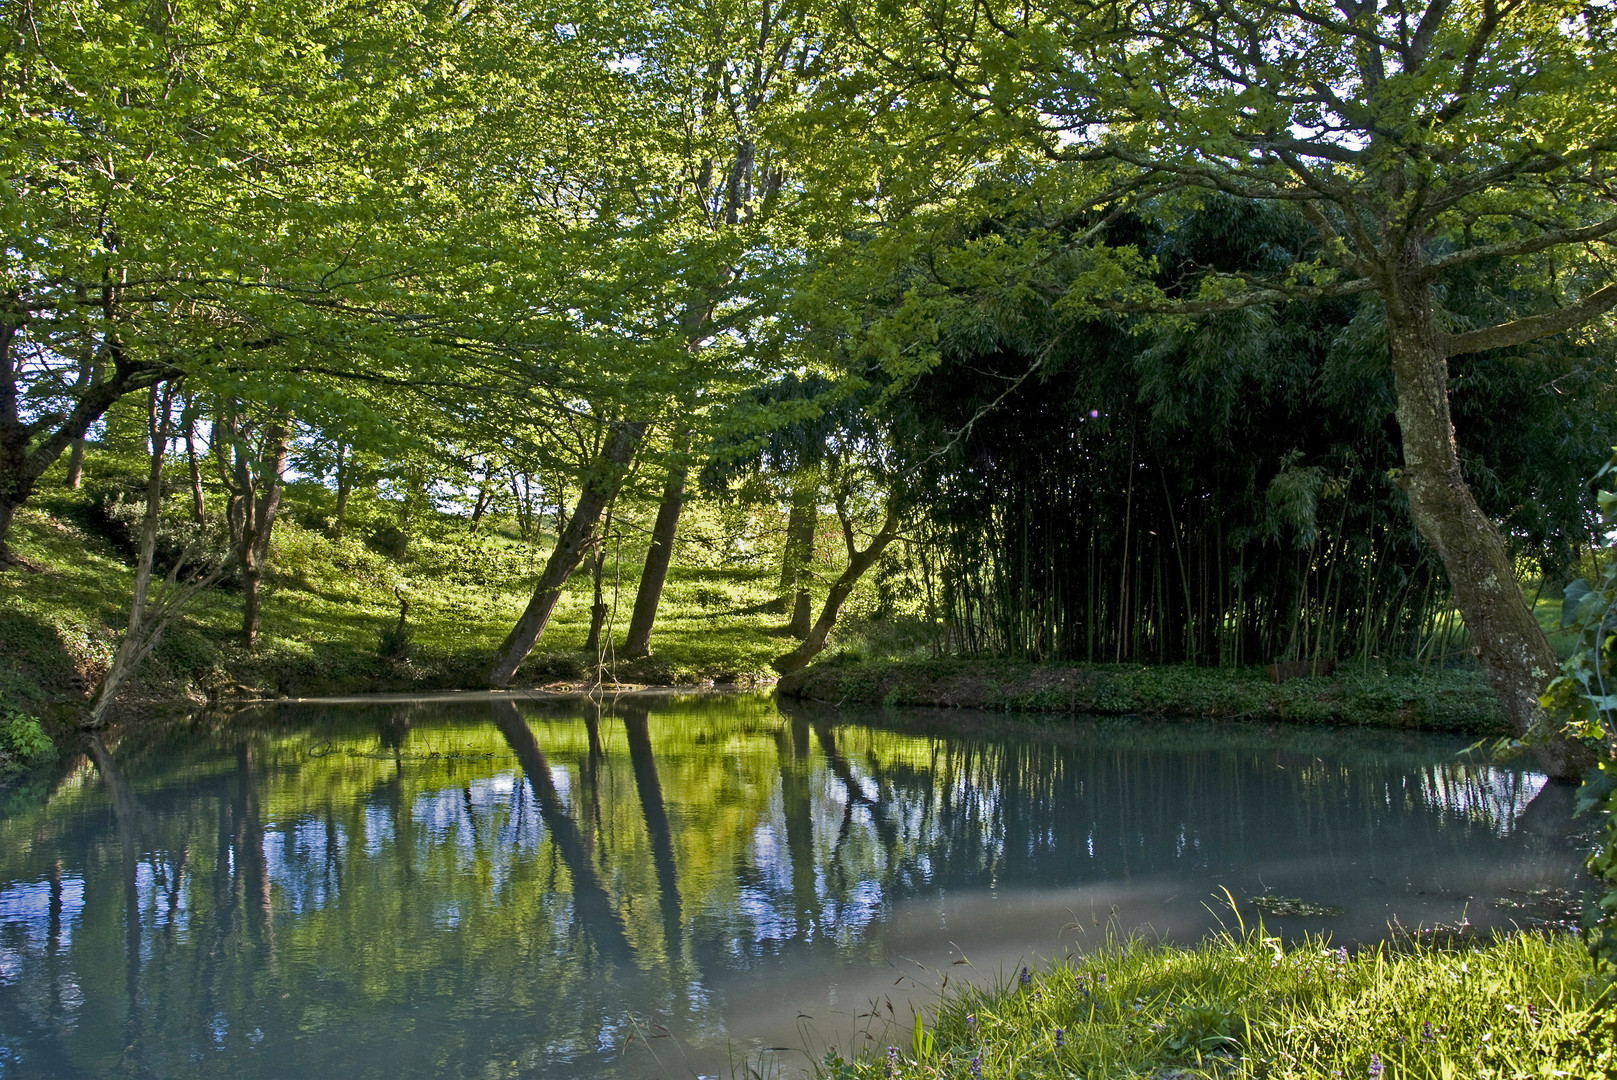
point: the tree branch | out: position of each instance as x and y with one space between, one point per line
1520 331
1527 246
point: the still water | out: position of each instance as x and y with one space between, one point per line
675 886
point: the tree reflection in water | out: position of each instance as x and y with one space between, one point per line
416 890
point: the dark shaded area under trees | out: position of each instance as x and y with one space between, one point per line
1226 491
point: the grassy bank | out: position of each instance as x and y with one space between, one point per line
1454 700
330 606
1245 1006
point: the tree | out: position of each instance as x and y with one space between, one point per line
1417 139
172 205
151 613
682 238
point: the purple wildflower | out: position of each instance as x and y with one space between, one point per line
1375 1067
1341 954
1061 1037
971 1023
1428 1035
1021 977
976 1068
892 1061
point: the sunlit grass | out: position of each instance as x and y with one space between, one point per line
1243 1005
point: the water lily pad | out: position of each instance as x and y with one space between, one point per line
1271 904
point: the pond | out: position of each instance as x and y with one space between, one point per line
679 885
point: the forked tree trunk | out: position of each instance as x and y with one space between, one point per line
134 648
655 575
1507 639
606 477
858 563
255 498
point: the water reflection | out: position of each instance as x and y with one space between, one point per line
502 889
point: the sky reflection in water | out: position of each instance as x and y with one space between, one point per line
657 888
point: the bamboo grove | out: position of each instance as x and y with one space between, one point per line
1225 491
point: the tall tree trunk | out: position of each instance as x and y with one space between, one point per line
345 487
598 609
87 375
1506 636
801 523
255 499
652 578
858 563
199 506
606 476
75 465
485 498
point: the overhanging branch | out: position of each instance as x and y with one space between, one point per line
1521 331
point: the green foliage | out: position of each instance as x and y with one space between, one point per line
1584 696
1220 490
1248 1006
23 743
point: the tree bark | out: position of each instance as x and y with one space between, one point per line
199 506
345 487
598 610
650 593
75 465
28 446
860 562
801 523
255 498
1506 636
130 649
149 613
607 476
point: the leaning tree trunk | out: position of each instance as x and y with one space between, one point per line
607 476
1505 635
655 574
28 444
149 613
858 563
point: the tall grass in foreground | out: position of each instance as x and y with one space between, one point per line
1247 1006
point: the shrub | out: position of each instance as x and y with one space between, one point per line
1584 697
23 743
